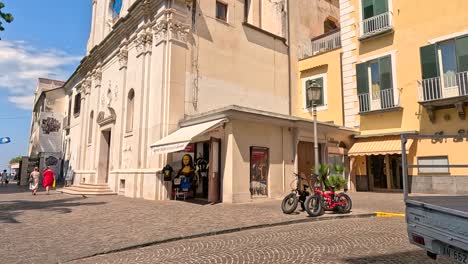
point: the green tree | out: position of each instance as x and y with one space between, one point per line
7 17
15 160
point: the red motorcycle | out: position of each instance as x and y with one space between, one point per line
325 198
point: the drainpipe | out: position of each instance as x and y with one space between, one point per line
342 91
289 55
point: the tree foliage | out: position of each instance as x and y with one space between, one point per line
7 17
15 160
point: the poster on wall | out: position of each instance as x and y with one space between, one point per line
50 132
259 168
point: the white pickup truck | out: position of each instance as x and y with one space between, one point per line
438 224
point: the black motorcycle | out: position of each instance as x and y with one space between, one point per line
296 196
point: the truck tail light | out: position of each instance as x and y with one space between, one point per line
418 239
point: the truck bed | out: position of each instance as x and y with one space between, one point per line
451 204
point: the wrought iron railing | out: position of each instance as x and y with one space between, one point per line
323 43
376 24
447 86
378 100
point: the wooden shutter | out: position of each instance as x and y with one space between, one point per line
362 78
385 67
320 82
461 44
429 67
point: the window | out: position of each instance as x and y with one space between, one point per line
90 128
375 84
436 160
444 68
321 80
330 24
77 105
371 8
130 107
376 17
221 11
116 7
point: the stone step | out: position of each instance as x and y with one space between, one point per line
89 186
94 184
79 189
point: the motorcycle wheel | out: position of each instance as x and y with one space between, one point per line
344 209
289 203
313 206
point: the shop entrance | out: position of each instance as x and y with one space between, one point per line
204 181
384 172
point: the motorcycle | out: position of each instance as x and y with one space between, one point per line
296 196
324 198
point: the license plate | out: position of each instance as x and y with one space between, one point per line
456 254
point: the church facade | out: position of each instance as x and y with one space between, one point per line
210 79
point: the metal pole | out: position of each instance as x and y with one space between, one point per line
316 141
404 166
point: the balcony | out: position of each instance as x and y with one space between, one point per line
376 25
321 44
450 90
383 100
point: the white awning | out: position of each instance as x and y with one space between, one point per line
181 138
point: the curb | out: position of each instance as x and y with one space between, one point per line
385 214
225 231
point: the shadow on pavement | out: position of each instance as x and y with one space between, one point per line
10 210
416 256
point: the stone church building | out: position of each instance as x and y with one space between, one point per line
209 78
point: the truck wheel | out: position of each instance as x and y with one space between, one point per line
313 206
289 203
431 255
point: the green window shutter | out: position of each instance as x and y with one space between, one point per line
367 9
380 7
429 67
362 78
385 66
320 82
461 45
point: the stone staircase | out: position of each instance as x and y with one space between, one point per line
88 189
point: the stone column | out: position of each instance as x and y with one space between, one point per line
123 61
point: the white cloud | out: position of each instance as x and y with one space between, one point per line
22 64
22 102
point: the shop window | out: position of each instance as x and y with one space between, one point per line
320 79
130 110
90 128
259 170
434 160
77 105
221 11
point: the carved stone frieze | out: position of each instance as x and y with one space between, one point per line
97 76
168 29
123 58
86 86
106 117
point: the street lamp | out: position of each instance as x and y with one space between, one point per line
314 92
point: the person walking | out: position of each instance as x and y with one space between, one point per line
34 180
49 178
4 177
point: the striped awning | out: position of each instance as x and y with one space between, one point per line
385 145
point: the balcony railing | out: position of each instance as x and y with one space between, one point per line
323 43
449 86
379 100
376 25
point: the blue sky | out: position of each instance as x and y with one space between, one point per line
46 39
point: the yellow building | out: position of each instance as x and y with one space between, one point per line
395 67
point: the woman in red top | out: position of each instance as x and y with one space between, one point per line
49 177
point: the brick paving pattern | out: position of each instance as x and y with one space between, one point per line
57 228
351 241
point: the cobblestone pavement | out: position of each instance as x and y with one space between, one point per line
351 241
57 228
